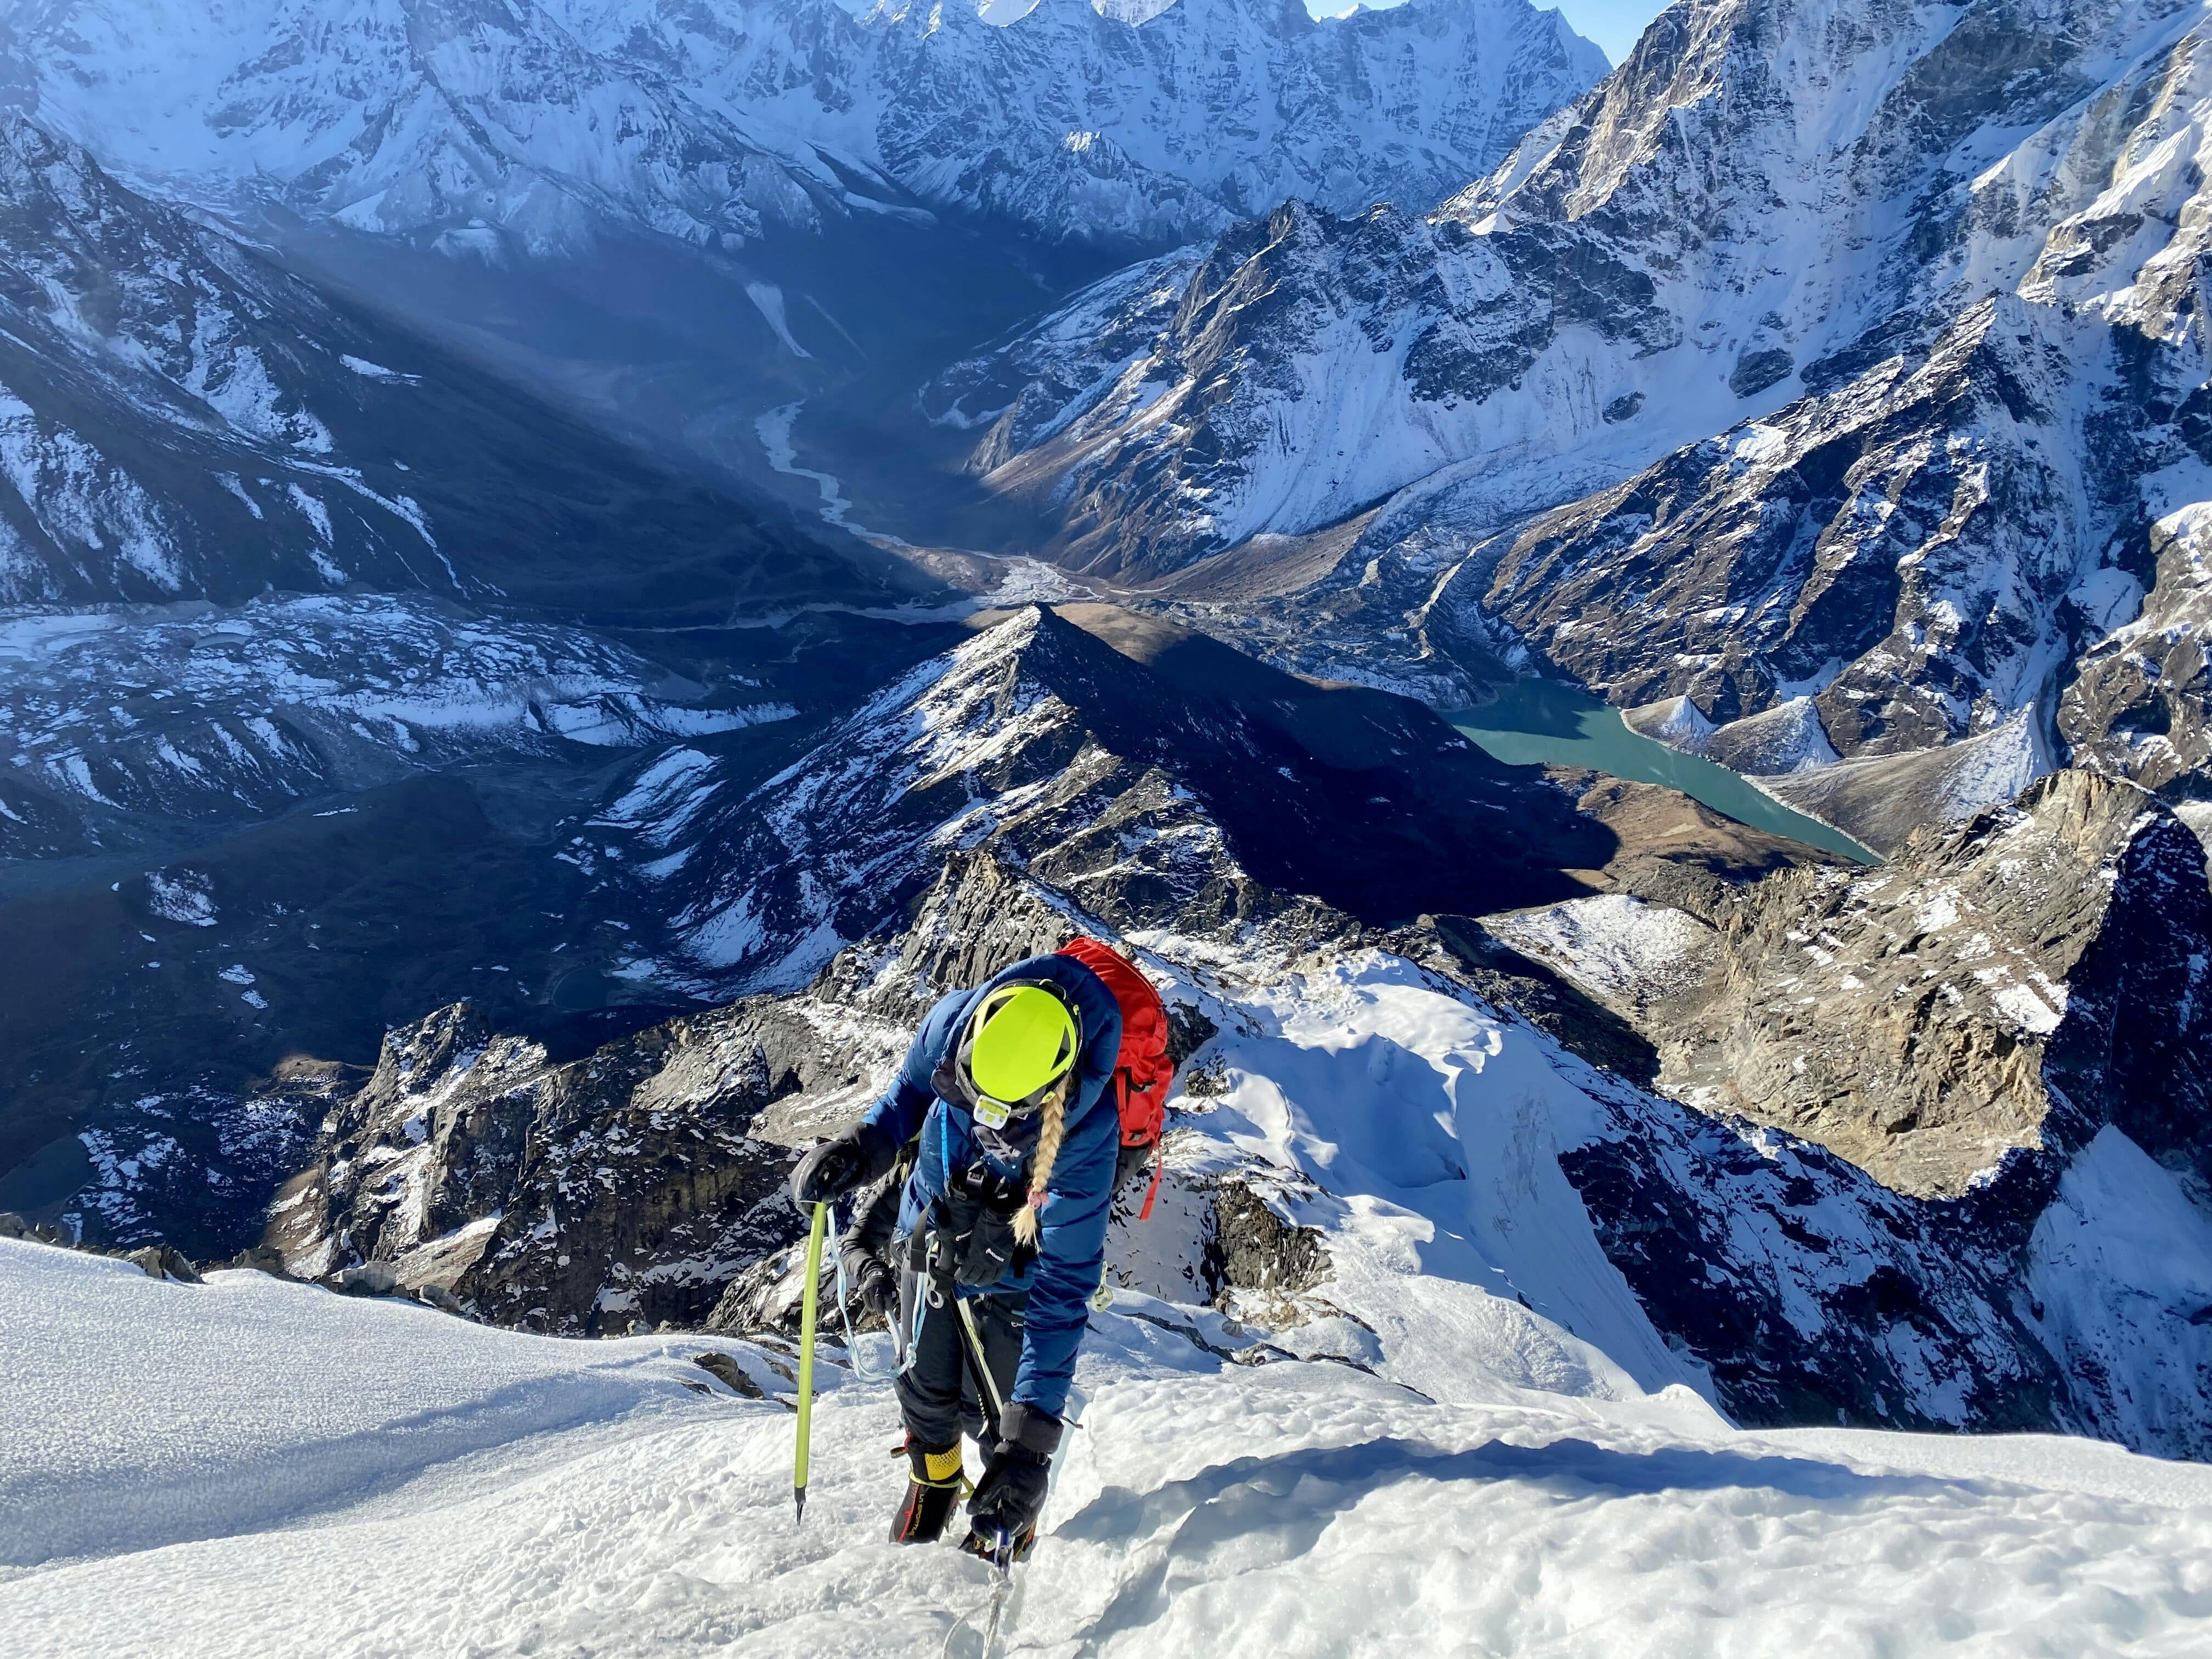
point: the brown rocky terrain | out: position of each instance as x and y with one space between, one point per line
2014 982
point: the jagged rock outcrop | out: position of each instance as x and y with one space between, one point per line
2018 982
625 1185
1150 773
2012 984
635 1183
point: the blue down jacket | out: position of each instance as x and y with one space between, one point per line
1072 1243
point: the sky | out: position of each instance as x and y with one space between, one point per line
1614 24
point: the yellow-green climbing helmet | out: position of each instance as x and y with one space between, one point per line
1022 1040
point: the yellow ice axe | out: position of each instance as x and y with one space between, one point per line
806 1311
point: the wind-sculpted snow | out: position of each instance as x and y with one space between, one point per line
138 1421
535 126
1853 356
201 715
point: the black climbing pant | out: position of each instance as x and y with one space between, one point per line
939 1394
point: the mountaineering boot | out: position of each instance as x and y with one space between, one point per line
978 1543
933 1488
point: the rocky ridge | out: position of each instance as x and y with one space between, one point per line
1142 769
1794 1282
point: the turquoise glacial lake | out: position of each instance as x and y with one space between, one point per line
1543 723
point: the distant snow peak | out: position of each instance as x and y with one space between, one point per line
527 127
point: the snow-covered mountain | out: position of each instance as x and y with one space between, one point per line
1886 1190
1841 354
181 418
537 126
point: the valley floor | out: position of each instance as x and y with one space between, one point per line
258 1467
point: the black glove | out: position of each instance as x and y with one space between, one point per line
1010 1492
1001 1194
831 1170
1015 1473
874 1286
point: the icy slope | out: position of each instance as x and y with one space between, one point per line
478 1491
535 125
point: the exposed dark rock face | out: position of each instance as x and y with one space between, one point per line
2016 982
161 1261
1258 1251
1148 773
1814 1294
625 1185
2141 701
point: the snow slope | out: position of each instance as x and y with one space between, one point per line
355 1478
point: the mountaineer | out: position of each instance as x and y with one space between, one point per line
1004 1131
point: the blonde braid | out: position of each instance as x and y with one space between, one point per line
1047 1152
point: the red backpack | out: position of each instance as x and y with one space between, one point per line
1142 1071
